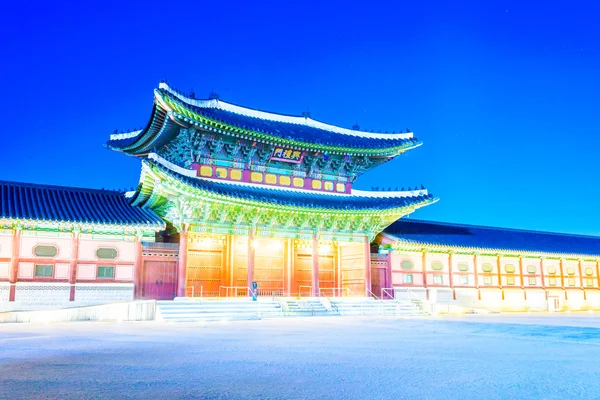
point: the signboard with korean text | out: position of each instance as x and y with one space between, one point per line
287 155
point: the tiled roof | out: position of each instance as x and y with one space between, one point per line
298 198
287 130
480 237
27 201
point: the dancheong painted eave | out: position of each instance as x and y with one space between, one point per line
173 111
409 234
36 203
264 195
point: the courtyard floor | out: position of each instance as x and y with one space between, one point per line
522 356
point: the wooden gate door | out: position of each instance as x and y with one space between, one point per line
159 280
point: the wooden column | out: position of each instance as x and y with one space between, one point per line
250 278
227 262
182 266
581 278
315 264
424 268
338 282
542 276
598 273
562 280
388 271
232 250
450 277
499 275
367 267
288 263
14 263
522 280
73 267
476 277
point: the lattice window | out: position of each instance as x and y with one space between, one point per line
407 265
44 270
437 266
487 267
509 268
531 269
408 279
47 251
106 272
463 267
438 279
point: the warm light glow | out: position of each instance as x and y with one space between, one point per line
276 245
325 248
255 244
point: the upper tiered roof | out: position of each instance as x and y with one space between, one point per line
27 202
414 234
172 111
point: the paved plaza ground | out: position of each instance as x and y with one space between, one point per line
525 356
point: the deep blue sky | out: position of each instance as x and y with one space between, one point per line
505 96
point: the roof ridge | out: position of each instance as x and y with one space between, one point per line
60 187
276 117
496 228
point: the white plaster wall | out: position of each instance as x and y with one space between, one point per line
536 300
102 293
396 262
514 300
4 269
575 300
441 296
86 271
491 299
25 270
593 300
5 246
124 272
466 297
412 294
29 242
61 271
88 247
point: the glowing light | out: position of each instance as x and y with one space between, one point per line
255 244
325 248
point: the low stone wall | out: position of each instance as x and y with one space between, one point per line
141 310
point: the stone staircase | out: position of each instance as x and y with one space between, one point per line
186 310
306 307
369 306
216 310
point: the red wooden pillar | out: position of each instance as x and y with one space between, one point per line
476 277
73 264
137 268
542 276
499 275
598 273
182 266
581 279
562 280
250 277
14 263
522 280
388 272
450 277
424 268
315 264
367 267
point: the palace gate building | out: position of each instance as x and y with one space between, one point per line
228 196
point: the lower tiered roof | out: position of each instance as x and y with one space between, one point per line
28 202
409 233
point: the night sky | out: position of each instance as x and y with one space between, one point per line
504 96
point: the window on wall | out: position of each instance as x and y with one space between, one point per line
571 281
46 251
437 266
510 280
509 268
408 278
463 279
206 171
551 270
438 279
271 179
463 267
221 172
285 180
487 280
236 174
317 184
107 253
106 272
256 177
407 265
44 270
589 272
551 281
589 282
487 267
298 182
340 187
328 186
532 281
531 269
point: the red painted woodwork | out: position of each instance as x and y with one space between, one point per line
73 264
182 266
14 263
367 266
159 280
315 265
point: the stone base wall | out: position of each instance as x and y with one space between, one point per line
45 296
